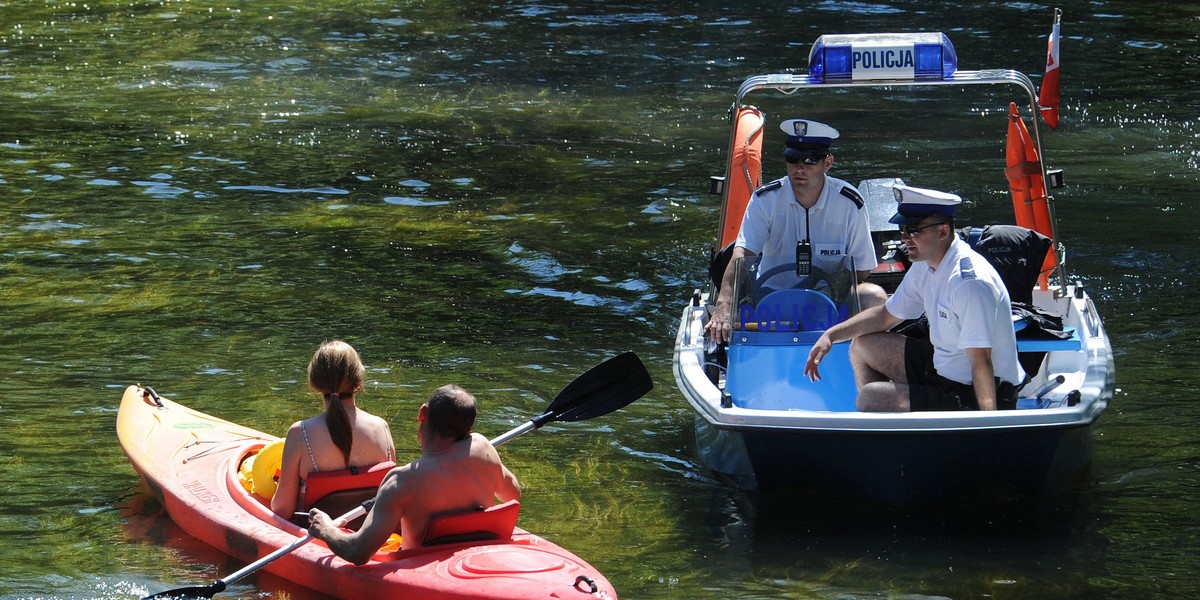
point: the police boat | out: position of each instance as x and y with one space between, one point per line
906 113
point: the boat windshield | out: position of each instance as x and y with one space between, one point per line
773 294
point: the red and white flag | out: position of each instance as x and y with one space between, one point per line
1048 95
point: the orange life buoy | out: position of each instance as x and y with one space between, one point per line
1026 183
743 174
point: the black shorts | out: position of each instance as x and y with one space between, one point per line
929 391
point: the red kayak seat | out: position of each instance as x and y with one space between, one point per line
481 524
337 492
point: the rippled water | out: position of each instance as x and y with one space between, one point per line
501 194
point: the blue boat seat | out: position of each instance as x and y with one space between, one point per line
1047 344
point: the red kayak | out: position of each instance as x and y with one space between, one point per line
191 461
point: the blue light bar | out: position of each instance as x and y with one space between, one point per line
882 56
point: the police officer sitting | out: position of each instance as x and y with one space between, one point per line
804 211
969 361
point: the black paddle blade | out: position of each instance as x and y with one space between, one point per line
606 387
189 593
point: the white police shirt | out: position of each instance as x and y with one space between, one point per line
774 222
967 306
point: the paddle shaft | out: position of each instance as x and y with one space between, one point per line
224 582
515 432
354 513
606 387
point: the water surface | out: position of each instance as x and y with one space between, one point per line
500 195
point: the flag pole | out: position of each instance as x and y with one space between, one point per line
1048 96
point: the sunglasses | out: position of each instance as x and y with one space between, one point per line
810 159
915 231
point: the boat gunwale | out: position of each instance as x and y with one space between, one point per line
1096 347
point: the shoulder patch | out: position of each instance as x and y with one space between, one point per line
853 195
770 186
966 268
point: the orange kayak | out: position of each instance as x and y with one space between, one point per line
191 460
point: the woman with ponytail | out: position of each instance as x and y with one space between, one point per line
343 437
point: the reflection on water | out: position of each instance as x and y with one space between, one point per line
851 549
501 195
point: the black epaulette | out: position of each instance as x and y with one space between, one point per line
853 195
774 185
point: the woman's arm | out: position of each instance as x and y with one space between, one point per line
287 494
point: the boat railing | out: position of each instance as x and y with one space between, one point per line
793 83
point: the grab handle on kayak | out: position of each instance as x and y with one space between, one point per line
148 392
591 583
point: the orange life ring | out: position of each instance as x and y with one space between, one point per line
743 174
1027 185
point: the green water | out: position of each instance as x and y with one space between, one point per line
196 194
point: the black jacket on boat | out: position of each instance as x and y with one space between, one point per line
1017 254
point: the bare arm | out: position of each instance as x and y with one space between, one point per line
384 519
508 488
717 328
983 377
287 494
876 318
391 447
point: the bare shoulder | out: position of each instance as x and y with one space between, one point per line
295 429
478 441
397 480
374 420
314 422
481 447
371 416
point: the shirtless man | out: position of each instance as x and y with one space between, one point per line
458 470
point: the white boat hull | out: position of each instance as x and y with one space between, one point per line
905 458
